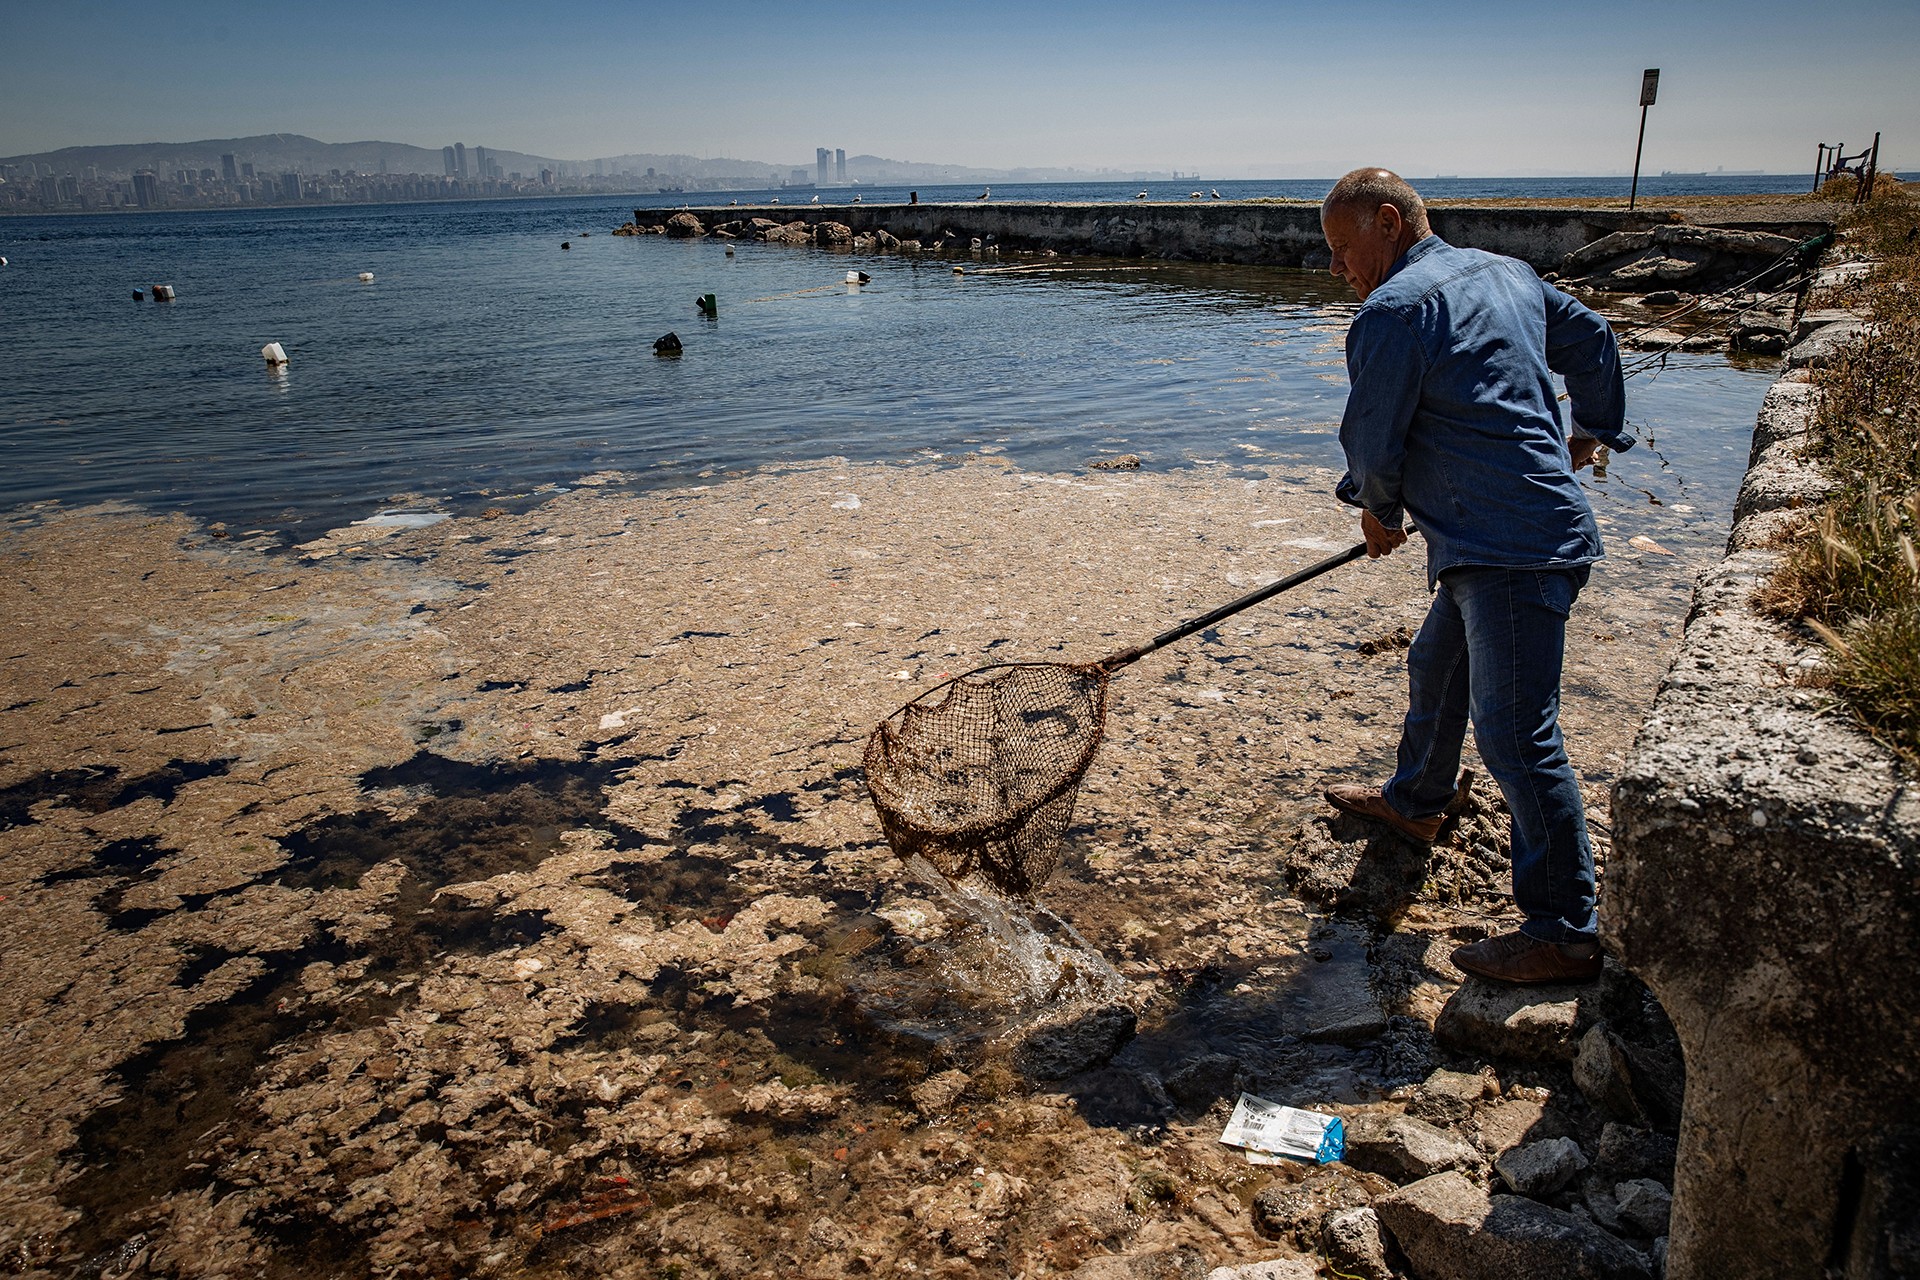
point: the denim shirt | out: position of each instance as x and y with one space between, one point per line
1453 417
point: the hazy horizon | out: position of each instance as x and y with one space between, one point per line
1225 90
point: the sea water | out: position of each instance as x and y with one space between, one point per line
485 365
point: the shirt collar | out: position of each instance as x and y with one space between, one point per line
1417 250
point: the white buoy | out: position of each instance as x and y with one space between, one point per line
163 293
274 353
366 277
853 277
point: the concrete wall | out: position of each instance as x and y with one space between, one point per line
1765 883
1202 231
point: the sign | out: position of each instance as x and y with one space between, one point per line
1649 85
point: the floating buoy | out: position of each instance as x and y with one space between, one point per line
667 346
163 293
366 277
858 277
959 271
139 296
566 244
708 304
274 353
3 262
729 251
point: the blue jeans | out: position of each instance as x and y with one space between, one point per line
1490 651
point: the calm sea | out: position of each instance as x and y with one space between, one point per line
484 365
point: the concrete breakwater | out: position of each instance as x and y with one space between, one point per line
1244 233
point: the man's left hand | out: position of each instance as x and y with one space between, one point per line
1380 539
1582 448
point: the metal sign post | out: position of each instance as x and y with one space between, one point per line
1649 86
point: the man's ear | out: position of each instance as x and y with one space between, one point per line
1389 221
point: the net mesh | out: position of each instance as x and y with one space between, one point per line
979 775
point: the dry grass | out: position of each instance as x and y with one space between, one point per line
1856 578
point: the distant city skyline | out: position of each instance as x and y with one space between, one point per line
1229 90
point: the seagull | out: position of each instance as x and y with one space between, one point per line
1216 193
985 194
1193 195
815 200
1141 196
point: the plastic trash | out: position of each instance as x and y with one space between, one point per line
729 251
1269 1132
163 293
858 277
366 277
274 353
667 346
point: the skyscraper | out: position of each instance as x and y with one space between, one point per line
480 166
839 164
290 185
446 158
146 189
228 169
460 159
246 170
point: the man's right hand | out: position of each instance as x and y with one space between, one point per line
1582 449
1380 539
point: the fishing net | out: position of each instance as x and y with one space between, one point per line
979 775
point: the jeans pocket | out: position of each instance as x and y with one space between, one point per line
1559 588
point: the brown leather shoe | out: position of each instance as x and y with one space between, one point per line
1523 961
1371 804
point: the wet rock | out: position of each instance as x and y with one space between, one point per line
1356 1245
1296 1206
684 225
1123 462
1528 1024
1821 317
1405 1149
1272 1269
1164 1264
1448 1098
833 233
1452 1230
937 1093
1627 1152
1539 1169
1679 256
1058 1050
1826 344
1645 1205
1200 1082
1335 1003
1514 1122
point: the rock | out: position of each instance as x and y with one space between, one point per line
684 225
1541 1168
1297 1205
1626 1152
1163 1264
1356 1246
937 1093
1605 1076
1405 1149
1824 345
1447 1098
1697 259
1272 1269
1645 1205
832 233
1451 1230
1662 298
887 241
1200 1082
792 233
1529 1024
1125 462
1821 317
1335 1003
1514 1122
1057 1050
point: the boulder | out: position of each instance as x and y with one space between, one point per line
1335 1004
1528 1024
1296 1206
1541 1168
832 233
1677 256
1605 1076
1452 1230
1448 1098
937 1093
1272 1269
887 241
1057 1050
1514 1122
1405 1149
684 225
792 233
1356 1245
1822 346
1200 1082
1644 1205
1626 1152
1161 1264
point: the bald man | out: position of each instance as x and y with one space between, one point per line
1453 421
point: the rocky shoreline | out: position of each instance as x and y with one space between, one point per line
497 896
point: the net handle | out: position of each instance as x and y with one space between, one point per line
1114 661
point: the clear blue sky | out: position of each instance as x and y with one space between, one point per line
1226 89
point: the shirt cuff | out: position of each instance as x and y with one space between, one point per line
1618 441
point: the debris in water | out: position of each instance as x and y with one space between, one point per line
1269 1131
1641 542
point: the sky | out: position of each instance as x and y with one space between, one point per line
1221 90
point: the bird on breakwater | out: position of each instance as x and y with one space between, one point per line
985 195
815 200
856 199
1216 193
1140 196
1193 195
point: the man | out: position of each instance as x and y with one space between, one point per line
1453 420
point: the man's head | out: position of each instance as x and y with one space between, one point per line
1370 218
